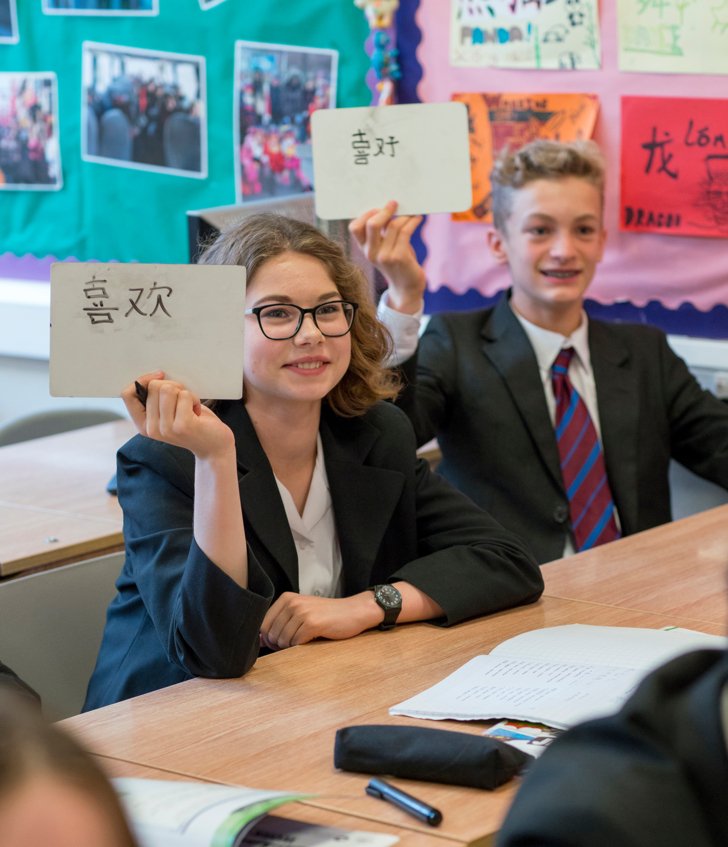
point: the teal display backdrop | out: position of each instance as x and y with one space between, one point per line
114 213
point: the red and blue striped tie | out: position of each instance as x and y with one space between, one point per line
582 462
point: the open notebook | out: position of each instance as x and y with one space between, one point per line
557 676
198 814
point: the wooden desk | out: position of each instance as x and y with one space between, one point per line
53 502
680 568
275 727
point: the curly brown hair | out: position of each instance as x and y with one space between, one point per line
258 238
542 159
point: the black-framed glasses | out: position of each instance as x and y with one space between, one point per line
280 321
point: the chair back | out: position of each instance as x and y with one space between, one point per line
51 422
690 493
51 625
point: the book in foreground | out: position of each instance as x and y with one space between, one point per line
557 676
197 814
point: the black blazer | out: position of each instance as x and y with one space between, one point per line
177 615
474 383
656 773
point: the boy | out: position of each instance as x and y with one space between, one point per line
567 454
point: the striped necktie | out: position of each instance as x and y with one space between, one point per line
582 462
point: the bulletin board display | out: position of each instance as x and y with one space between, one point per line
639 267
93 201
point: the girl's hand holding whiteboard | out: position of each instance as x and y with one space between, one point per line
175 415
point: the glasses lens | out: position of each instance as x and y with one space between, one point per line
334 318
279 321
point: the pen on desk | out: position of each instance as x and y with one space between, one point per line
417 808
141 393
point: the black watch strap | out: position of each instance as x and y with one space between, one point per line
390 601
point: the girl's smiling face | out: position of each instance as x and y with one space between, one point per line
302 369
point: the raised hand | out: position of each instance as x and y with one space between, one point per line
386 242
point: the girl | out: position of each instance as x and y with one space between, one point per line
300 512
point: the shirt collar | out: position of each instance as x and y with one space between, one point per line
546 343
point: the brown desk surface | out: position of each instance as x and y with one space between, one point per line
275 727
680 568
53 501
295 811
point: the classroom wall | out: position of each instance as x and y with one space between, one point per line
677 282
104 212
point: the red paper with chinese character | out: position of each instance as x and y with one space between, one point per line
675 166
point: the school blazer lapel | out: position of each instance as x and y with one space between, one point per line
508 349
364 496
618 402
264 514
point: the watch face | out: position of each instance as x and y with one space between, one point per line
388 597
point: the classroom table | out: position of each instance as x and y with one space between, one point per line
275 727
54 507
679 568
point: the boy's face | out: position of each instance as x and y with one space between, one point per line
553 240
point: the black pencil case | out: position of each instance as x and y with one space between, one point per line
432 755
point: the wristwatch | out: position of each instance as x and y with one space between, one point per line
389 599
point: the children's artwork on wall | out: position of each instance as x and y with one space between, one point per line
8 22
562 35
144 109
208 4
100 7
277 89
675 166
680 283
497 120
30 156
673 36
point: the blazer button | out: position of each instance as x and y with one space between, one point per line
561 514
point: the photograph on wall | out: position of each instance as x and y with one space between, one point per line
100 7
674 167
673 36
497 120
144 109
30 154
277 89
559 35
8 22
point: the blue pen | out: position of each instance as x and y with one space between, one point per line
422 811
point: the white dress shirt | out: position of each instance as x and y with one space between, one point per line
314 534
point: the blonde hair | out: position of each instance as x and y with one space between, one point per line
542 159
31 747
259 238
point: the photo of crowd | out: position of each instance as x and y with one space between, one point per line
8 22
101 7
144 109
30 157
277 90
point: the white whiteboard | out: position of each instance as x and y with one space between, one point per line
112 322
417 154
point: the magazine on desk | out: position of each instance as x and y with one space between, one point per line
557 676
198 814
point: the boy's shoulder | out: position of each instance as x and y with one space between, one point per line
632 334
